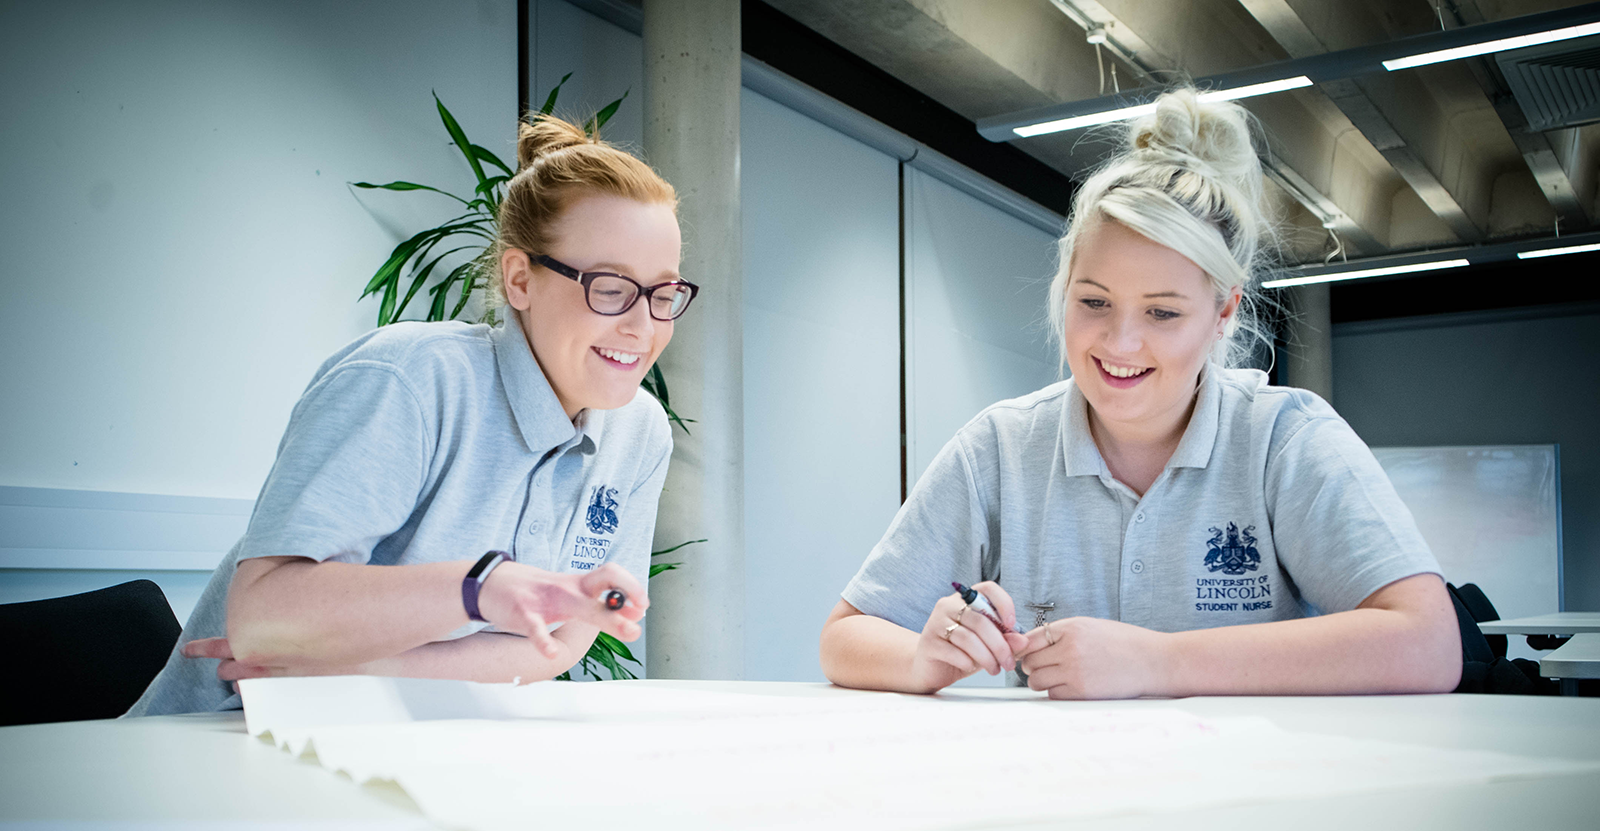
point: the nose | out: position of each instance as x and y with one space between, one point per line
1124 336
636 321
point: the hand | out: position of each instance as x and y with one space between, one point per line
523 599
232 670
946 655
1083 657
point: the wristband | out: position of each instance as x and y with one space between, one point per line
473 582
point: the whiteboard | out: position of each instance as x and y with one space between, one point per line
1492 516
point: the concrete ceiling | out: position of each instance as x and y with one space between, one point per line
1434 156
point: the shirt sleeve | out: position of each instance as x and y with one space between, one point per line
350 469
940 535
1339 528
636 533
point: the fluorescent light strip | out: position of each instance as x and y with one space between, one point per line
1255 89
1125 113
1492 46
1369 272
1556 252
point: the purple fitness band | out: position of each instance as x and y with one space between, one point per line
473 582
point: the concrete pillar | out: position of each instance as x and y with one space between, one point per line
691 134
1308 344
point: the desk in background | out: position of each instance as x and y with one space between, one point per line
1577 659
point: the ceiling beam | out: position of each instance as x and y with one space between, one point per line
1290 30
1553 178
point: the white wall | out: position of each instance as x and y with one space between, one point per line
181 247
821 375
605 63
976 280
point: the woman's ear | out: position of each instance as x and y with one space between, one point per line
1230 307
517 273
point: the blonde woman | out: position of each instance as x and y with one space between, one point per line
1158 524
447 495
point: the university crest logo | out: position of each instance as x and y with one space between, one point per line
602 517
1234 552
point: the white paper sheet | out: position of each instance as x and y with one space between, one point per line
558 755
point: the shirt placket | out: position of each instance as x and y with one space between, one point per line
538 515
1132 582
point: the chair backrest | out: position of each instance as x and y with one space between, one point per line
84 656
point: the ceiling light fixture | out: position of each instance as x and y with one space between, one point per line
1137 110
1366 272
1488 46
1556 252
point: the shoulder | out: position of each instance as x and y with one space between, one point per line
417 354
1290 428
1259 412
1037 413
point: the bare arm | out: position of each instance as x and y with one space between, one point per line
1401 639
868 652
292 611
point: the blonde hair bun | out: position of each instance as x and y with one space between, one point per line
1184 130
542 135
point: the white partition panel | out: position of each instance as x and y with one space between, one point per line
976 279
1492 516
821 375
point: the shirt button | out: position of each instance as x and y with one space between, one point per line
1137 567
1139 517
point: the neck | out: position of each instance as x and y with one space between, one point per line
1145 444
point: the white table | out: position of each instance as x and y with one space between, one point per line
203 771
1559 623
1578 658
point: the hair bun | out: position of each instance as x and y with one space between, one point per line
1183 129
546 134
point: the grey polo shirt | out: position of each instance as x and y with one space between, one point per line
1271 508
424 442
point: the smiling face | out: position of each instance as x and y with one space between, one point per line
1140 320
596 361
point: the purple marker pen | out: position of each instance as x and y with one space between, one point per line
980 604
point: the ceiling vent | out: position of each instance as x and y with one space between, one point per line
1557 84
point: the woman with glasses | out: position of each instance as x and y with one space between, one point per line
1158 524
469 501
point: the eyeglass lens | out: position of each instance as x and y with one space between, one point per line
613 295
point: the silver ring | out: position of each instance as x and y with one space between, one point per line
1049 638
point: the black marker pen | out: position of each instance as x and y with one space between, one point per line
980 604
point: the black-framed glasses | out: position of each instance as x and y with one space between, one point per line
609 293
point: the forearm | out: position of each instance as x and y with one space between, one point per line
1371 651
489 657
870 653
302 612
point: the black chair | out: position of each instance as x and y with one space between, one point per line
1484 667
84 656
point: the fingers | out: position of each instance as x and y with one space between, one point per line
208 648
538 632
612 576
1002 602
952 655
230 670
969 642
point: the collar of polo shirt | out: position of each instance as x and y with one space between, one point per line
540 418
1194 449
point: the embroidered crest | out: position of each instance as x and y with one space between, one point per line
602 516
1234 552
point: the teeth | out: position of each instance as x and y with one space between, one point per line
619 357
1121 371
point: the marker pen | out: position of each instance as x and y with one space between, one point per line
980 604
614 599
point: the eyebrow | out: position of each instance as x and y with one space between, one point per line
1179 295
623 270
